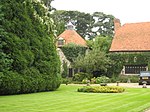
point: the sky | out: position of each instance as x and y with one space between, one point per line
128 11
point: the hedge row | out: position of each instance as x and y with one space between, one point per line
14 83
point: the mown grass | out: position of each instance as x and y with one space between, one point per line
67 99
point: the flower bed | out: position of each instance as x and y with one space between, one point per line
101 89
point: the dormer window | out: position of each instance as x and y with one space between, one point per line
61 41
70 26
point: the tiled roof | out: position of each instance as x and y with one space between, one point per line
71 36
132 37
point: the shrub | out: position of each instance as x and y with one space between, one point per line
125 79
84 81
93 80
80 76
102 79
101 89
66 80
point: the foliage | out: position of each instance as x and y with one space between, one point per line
93 80
85 81
30 62
85 23
65 70
80 76
101 89
72 51
127 59
66 80
100 43
125 79
104 24
95 60
102 79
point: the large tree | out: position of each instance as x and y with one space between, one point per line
28 48
100 43
81 20
87 25
104 24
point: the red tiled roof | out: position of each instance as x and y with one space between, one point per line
71 36
132 37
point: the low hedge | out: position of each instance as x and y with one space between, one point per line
101 89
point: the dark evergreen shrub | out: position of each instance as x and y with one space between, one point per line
30 61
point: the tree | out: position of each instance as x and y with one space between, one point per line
87 25
82 21
95 60
100 43
47 3
28 45
104 24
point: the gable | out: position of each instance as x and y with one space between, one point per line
71 36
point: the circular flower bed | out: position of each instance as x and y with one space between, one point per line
101 89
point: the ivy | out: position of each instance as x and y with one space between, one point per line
121 59
72 51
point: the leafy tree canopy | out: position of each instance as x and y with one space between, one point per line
87 25
100 43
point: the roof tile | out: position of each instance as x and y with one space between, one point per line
71 36
132 37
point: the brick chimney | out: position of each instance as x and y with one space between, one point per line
117 24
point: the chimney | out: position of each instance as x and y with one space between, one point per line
117 24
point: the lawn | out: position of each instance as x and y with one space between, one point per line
67 99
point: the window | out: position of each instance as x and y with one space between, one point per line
134 69
60 42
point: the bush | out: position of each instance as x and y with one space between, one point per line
93 80
101 89
66 80
102 79
125 79
85 81
80 76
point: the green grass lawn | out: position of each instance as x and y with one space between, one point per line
67 99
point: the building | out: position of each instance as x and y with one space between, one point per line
70 36
131 38
67 37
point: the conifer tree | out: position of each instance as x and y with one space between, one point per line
30 61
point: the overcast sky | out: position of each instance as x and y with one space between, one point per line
128 11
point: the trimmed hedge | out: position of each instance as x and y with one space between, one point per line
101 89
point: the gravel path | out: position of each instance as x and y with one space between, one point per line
130 85
148 110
